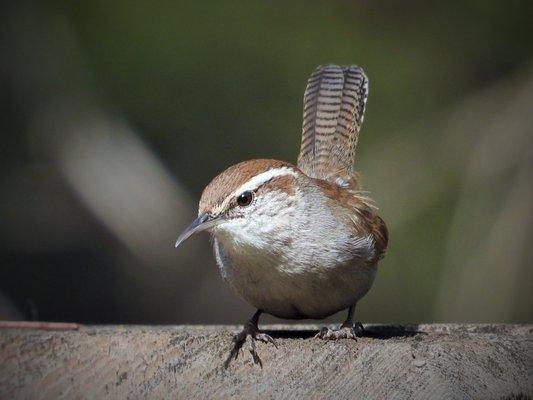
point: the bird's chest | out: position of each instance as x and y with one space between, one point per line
293 280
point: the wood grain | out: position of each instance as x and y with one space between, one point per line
390 362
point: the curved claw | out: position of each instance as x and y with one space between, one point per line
263 337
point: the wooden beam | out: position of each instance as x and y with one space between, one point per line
400 362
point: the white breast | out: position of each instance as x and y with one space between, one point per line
297 263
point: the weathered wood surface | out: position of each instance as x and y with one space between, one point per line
390 362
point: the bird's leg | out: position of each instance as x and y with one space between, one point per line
348 330
249 335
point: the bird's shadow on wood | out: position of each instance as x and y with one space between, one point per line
382 332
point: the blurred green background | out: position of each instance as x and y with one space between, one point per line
116 114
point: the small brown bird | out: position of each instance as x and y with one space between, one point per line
300 241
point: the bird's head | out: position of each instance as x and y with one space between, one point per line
248 203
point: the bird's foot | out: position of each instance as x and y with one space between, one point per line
249 335
346 331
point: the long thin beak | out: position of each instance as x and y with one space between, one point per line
201 223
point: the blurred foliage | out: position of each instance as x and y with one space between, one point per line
208 84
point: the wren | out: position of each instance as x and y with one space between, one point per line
300 241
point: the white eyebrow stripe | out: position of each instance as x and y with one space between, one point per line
255 182
264 177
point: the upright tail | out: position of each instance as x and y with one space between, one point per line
334 105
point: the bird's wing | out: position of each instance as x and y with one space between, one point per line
334 104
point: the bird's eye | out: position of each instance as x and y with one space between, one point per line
245 198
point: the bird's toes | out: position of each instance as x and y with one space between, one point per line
325 333
248 336
239 338
335 334
263 337
252 349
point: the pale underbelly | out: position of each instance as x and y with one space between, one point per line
313 292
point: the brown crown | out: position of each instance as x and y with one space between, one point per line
232 178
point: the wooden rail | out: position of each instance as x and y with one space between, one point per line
389 362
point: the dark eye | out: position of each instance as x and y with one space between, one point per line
245 198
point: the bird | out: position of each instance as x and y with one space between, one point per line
300 241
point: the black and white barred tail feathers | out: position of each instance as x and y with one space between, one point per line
334 105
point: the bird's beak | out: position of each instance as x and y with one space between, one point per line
203 222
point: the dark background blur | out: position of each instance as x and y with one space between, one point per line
115 114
